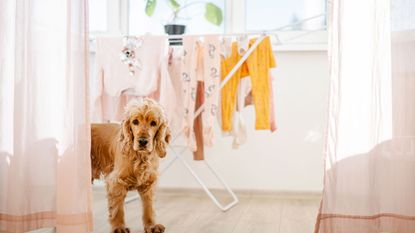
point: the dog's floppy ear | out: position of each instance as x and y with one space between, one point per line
126 136
162 139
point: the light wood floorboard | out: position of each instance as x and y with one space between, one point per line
193 212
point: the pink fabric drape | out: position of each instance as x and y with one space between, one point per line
369 184
44 125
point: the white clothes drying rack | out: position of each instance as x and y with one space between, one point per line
178 155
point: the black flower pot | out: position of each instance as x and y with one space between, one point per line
175 29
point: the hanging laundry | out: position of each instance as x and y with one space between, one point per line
257 66
243 44
249 101
171 97
133 68
200 76
106 96
211 67
239 132
106 108
229 91
189 86
184 78
112 76
226 46
149 53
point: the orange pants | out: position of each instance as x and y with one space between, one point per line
257 66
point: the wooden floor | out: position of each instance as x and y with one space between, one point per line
193 212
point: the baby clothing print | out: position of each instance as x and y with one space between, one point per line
148 52
257 66
174 70
106 96
201 62
211 68
189 85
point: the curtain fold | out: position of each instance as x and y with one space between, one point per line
44 124
369 182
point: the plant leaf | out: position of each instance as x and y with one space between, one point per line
213 14
174 5
150 7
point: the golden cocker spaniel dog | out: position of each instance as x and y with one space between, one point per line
128 156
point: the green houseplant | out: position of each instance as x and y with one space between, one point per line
213 14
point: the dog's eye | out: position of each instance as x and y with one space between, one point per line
135 122
153 123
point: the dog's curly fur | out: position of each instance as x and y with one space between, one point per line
128 156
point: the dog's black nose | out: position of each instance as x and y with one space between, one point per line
142 141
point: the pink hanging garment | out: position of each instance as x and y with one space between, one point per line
208 68
105 108
107 99
174 70
147 54
211 78
169 91
189 86
204 68
116 80
114 74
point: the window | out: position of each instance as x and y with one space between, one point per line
191 15
119 17
98 16
268 15
402 15
108 17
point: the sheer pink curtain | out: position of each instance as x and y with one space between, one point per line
44 128
369 184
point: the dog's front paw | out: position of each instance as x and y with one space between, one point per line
158 228
121 230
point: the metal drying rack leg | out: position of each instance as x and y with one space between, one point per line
205 188
178 157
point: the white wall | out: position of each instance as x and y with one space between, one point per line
290 159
